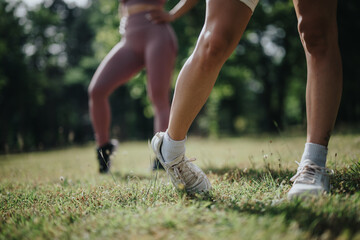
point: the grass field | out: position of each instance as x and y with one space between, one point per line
59 194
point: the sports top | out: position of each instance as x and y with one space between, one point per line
133 2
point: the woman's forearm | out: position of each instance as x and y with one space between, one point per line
181 8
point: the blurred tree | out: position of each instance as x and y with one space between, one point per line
48 54
349 112
61 39
20 88
38 108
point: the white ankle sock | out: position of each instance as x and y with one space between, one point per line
172 149
316 153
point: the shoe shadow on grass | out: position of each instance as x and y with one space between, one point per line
131 176
343 181
326 218
237 174
318 220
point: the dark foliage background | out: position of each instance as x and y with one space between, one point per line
49 53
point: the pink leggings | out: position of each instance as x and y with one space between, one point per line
153 46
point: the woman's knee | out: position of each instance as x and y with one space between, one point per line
316 34
213 49
96 92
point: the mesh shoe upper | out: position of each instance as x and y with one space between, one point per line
310 179
183 173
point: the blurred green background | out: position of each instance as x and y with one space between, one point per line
50 50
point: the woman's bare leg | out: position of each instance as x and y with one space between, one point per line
318 32
225 23
116 69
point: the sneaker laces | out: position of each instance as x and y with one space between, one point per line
180 169
306 174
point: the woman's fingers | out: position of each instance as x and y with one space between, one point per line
158 17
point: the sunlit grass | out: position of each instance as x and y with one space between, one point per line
59 194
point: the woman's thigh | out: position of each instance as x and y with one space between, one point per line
160 58
117 68
225 22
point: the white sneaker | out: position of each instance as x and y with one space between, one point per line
183 173
310 180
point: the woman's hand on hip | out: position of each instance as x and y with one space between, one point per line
159 17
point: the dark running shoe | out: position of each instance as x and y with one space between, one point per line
104 154
157 165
